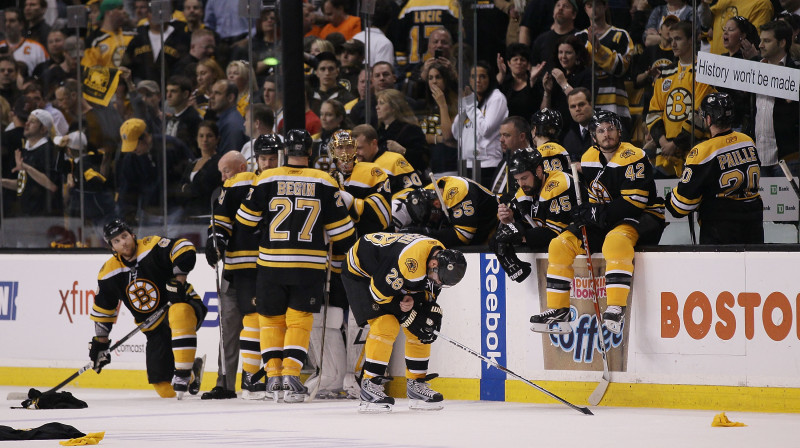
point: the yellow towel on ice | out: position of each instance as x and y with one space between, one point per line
722 420
89 439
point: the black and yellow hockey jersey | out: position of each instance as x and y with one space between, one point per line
548 214
625 184
554 157
140 284
298 210
402 176
106 48
241 250
612 60
395 263
672 105
414 24
720 180
371 209
472 212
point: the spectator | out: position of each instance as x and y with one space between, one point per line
382 78
577 139
570 69
107 44
56 73
202 45
441 101
333 118
413 31
100 124
29 51
440 49
313 125
564 14
231 123
790 6
37 29
8 79
678 8
716 15
514 16
647 66
33 90
202 176
671 116
352 63
320 46
36 180
182 123
272 99
261 122
55 48
146 102
208 72
380 47
12 139
144 54
514 133
519 81
338 20
194 13
397 123
612 49
483 109
329 87
221 17
740 39
776 118
240 74
266 44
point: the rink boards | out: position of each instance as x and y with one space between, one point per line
704 330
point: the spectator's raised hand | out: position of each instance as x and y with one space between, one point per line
502 68
536 72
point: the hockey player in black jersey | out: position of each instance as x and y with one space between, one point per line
298 210
720 180
546 126
540 210
623 211
145 275
393 280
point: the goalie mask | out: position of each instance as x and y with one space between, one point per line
421 207
343 150
451 266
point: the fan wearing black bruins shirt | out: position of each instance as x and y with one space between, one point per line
146 274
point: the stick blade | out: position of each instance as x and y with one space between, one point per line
597 396
586 411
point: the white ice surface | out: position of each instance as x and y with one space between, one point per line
141 419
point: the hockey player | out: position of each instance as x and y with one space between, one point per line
720 180
393 280
239 250
402 176
541 209
467 217
623 210
145 275
546 126
299 210
366 193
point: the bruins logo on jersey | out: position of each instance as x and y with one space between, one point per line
376 172
451 193
692 153
143 295
402 163
412 265
552 185
599 192
679 103
164 242
627 153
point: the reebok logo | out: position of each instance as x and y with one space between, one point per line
8 297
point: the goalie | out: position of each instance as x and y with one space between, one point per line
537 213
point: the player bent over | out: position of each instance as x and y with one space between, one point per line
392 280
146 274
623 210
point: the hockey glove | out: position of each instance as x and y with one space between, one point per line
423 320
515 268
213 254
176 291
510 233
590 215
98 353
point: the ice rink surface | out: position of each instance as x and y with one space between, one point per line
141 419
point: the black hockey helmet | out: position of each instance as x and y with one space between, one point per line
604 116
268 144
547 123
526 159
114 228
452 266
419 204
298 143
718 106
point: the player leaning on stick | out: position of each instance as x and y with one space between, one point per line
298 211
393 280
623 211
146 274
720 180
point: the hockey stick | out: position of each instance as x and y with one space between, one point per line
600 390
491 361
314 391
145 323
789 177
439 195
223 367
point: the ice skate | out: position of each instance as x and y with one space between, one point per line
293 390
420 395
614 318
253 390
275 388
552 321
180 382
197 373
373 397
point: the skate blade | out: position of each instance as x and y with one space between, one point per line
560 328
276 396
294 398
259 395
367 407
179 395
614 327
420 405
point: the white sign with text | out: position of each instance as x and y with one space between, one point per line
749 76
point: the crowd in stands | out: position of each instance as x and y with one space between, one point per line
85 133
